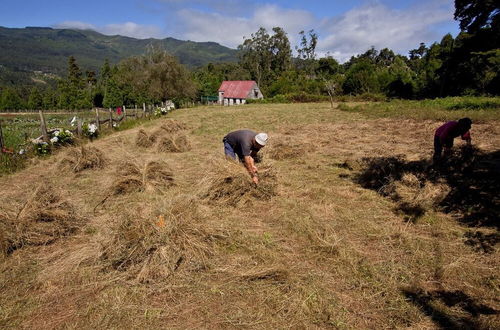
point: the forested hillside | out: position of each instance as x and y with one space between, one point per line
47 50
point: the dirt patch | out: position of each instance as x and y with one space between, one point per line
231 184
45 217
174 143
83 158
150 176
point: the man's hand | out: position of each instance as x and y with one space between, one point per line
255 179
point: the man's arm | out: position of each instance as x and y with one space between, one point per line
466 136
250 165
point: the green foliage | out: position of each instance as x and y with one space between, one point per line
264 56
35 101
476 108
10 100
298 97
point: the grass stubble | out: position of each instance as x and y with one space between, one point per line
197 245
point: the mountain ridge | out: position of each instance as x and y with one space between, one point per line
45 49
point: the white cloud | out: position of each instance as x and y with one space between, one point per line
229 21
379 26
74 25
230 30
128 29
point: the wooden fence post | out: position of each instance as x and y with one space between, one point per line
43 127
110 118
79 127
1 137
97 119
124 113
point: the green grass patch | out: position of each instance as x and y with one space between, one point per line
476 108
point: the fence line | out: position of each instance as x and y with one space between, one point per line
147 111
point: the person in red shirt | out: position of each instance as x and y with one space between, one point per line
445 134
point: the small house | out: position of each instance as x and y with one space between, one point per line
238 91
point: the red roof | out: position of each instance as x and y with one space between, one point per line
237 89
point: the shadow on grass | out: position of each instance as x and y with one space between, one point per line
473 179
450 309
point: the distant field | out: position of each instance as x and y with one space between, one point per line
349 228
477 108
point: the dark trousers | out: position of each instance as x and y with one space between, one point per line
438 149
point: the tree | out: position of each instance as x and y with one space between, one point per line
476 14
155 76
10 100
266 57
35 100
307 51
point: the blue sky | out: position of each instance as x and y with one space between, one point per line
345 28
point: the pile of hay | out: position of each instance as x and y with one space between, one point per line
153 248
174 143
408 183
79 159
414 195
286 150
144 140
45 217
172 126
231 184
150 176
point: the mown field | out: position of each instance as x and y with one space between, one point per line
349 228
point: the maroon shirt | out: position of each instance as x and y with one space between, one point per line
449 131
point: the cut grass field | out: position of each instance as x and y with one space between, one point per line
127 234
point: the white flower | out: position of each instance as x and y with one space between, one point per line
68 132
73 121
54 139
56 133
22 151
92 128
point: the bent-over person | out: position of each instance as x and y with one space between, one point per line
446 133
245 144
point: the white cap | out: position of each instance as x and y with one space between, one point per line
261 139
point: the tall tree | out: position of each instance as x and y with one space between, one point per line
266 57
307 51
476 14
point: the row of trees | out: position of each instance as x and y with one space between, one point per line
466 65
154 77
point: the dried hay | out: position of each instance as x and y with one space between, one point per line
406 183
175 143
286 150
134 178
171 126
46 217
153 248
231 184
79 159
143 140
274 274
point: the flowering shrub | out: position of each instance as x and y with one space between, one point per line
42 148
90 130
160 111
61 137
